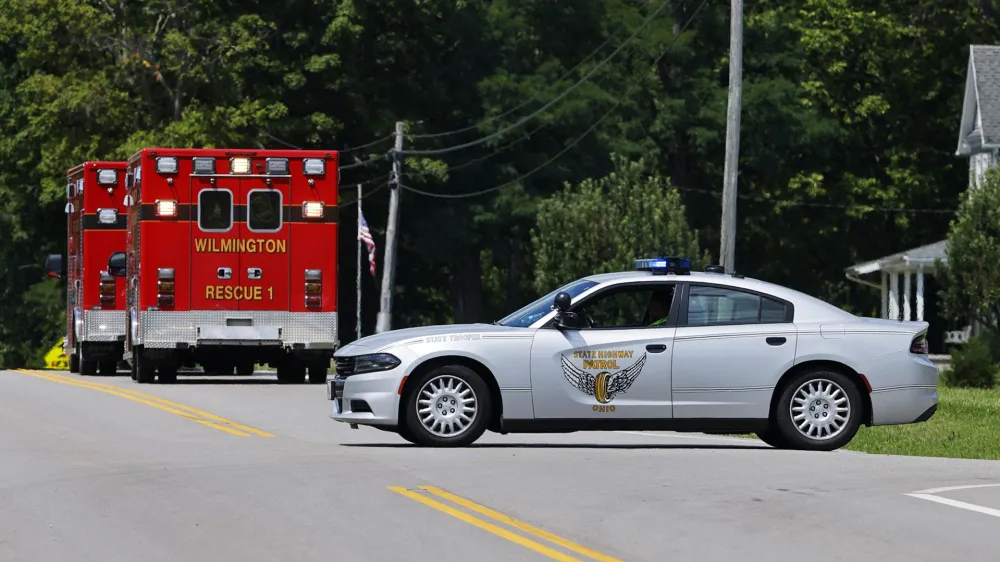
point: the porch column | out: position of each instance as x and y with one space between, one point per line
885 295
920 293
906 296
894 296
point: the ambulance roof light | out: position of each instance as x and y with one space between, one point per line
277 166
203 164
313 166
107 177
166 165
664 265
239 165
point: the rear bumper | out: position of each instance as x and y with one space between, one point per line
102 326
291 330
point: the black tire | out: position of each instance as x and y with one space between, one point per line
317 374
88 367
245 369
405 433
291 373
787 427
74 363
773 438
145 371
484 406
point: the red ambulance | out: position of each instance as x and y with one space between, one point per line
232 262
95 267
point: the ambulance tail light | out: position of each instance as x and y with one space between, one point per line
313 209
239 165
166 165
165 287
107 289
166 208
314 288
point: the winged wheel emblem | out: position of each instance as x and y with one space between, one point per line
603 386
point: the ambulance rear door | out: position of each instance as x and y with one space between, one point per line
264 264
215 235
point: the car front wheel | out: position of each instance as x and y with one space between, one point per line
819 411
448 407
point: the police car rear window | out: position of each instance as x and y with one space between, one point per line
215 210
264 210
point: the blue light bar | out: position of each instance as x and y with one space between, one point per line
662 265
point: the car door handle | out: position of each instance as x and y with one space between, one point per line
656 348
775 341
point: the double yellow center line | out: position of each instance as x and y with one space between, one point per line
193 414
506 520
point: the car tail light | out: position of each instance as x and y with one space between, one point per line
314 288
166 208
107 289
919 345
165 286
312 209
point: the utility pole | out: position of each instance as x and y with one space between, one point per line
358 326
727 249
389 269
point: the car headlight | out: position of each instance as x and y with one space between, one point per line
375 362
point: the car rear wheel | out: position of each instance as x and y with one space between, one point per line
819 410
447 407
773 438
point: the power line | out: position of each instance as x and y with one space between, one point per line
382 180
341 150
842 206
577 139
542 109
525 102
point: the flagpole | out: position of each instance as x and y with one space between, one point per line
358 326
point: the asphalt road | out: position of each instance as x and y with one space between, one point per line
104 469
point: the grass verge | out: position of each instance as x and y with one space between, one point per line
966 425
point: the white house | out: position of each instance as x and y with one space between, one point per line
979 141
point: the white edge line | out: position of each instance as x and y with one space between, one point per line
952 488
958 504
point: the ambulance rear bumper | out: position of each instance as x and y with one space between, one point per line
297 330
102 326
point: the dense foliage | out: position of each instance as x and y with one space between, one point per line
849 115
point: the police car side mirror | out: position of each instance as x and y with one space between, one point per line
54 266
116 264
562 301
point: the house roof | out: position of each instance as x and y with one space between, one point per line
924 256
980 126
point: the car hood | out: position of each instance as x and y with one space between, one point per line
373 343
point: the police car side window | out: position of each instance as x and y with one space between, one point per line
264 210
715 305
215 210
632 307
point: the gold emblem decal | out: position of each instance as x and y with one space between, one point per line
603 386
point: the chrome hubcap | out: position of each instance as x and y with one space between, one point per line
447 406
820 409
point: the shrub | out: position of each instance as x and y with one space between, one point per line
972 366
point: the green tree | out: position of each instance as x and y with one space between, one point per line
605 224
971 277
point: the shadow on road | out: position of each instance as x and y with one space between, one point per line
569 446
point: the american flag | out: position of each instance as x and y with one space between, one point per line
365 236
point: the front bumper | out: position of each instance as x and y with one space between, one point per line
293 330
370 399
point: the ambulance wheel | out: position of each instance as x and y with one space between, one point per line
168 374
245 369
145 370
317 374
88 367
74 363
108 368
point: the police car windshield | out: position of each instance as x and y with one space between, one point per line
531 313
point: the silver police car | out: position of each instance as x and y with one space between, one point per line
656 348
